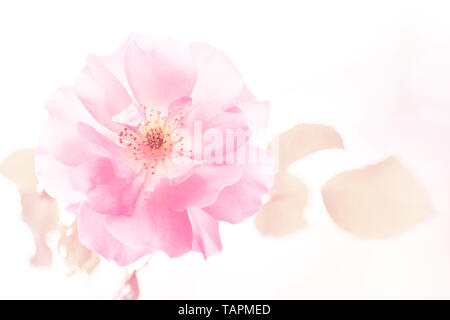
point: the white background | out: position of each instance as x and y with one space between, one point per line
306 58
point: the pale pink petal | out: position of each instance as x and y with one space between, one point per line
54 178
377 201
63 142
94 235
217 76
154 224
302 140
180 105
115 62
256 112
66 107
60 137
101 93
243 199
205 229
132 116
104 147
130 288
283 213
160 74
203 186
105 191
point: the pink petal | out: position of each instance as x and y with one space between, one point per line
217 76
19 168
40 212
60 136
205 229
104 147
243 199
283 213
101 93
76 256
115 62
224 129
63 142
160 74
132 116
105 191
181 104
94 235
66 107
130 288
153 224
53 176
256 112
203 186
377 201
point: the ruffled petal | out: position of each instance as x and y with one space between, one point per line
206 237
66 107
160 74
101 93
218 129
154 224
102 146
63 142
60 137
105 191
94 235
202 186
243 199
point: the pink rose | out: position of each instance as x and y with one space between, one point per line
142 149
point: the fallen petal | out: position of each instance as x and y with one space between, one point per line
301 140
283 213
377 201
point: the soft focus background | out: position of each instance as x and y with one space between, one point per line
362 89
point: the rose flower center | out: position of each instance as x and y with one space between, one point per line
155 140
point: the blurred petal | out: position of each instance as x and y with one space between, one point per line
76 256
54 178
40 212
377 201
302 140
19 168
283 213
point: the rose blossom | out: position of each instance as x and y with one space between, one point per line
122 148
